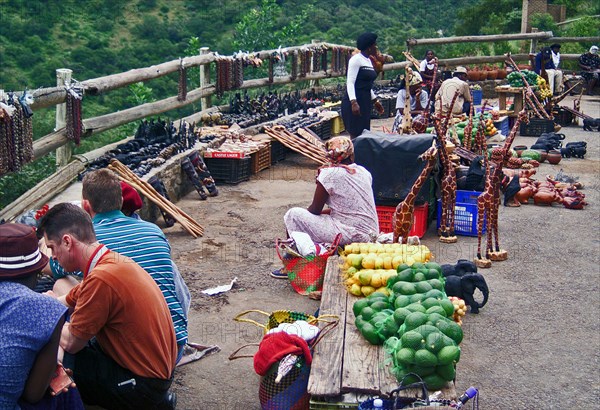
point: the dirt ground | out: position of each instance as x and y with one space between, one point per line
536 344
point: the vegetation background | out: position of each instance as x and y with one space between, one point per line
101 37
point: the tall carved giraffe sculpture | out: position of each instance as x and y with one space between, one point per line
448 178
466 142
406 126
489 200
403 215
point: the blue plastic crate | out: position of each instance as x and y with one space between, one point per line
477 97
465 213
502 126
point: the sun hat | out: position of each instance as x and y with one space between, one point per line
131 199
20 255
594 49
460 69
415 79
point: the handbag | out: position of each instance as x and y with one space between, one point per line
305 273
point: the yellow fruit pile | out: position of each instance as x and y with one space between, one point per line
490 128
368 266
460 309
543 90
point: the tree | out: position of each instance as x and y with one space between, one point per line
259 28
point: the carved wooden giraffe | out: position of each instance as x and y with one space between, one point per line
406 127
448 178
403 215
489 200
466 142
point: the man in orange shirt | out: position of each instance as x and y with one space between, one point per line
120 337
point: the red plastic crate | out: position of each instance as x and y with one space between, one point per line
419 227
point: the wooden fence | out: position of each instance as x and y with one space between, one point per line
56 96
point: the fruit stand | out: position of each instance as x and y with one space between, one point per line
345 364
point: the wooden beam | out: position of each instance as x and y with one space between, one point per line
479 39
95 125
571 40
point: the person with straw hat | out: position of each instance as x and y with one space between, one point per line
458 83
31 326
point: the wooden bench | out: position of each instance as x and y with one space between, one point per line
344 362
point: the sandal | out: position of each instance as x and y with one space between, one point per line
279 274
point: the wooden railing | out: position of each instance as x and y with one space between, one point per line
47 97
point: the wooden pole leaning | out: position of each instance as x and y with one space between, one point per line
125 174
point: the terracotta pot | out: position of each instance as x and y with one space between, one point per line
519 149
483 75
554 157
501 74
473 75
492 74
543 155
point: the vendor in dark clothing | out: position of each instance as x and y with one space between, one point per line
360 99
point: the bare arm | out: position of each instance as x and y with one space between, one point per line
319 199
43 368
69 342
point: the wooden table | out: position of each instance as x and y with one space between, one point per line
516 92
344 362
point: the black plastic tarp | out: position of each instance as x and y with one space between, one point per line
394 163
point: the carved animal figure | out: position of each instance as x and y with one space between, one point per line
488 201
590 123
464 288
406 127
403 215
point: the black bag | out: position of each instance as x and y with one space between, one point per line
393 161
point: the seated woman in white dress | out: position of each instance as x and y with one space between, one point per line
346 189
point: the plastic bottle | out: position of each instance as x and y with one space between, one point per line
467 395
377 404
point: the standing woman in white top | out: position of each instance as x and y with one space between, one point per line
360 98
427 69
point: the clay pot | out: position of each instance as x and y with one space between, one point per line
554 157
472 75
519 149
501 74
492 74
483 75
543 155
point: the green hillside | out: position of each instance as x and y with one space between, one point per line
101 37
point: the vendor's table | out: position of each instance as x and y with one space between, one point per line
516 92
344 362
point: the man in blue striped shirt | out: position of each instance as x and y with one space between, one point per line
141 241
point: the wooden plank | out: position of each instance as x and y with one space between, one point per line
479 39
361 359
326 369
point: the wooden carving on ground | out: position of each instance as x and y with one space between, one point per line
489 201
403 215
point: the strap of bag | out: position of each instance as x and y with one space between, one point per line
335 244
233 356
240 318
324 331
420 384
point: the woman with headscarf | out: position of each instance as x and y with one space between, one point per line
359 99
427 71
345 188
590 64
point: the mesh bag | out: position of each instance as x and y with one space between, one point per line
290 393
278 317
306 273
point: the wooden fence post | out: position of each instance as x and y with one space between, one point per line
63 154
205 102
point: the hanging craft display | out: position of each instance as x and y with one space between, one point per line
182 85
74 122
294 67
16 132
